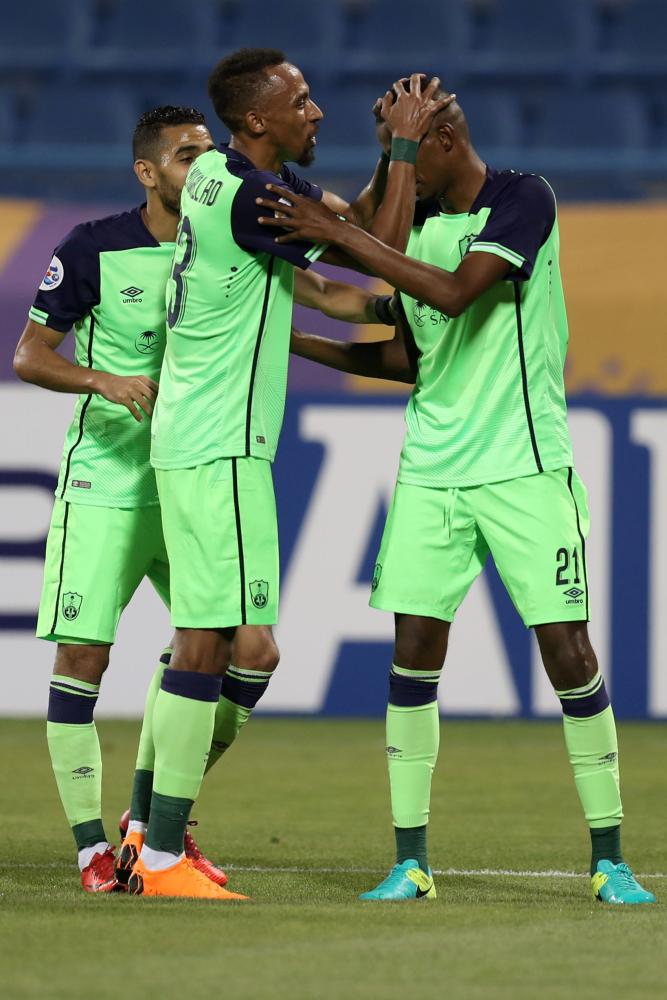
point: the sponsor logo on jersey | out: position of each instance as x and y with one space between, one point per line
54 275
81 484
71 605
259 593
147 342
422 313
131 293
575 595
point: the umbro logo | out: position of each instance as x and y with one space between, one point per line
131 293
392 751
608 758
83 772
573 592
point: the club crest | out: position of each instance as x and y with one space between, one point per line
259 593
147 342
71 605
464 244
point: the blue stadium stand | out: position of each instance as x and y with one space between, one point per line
610 119
633 38
80 115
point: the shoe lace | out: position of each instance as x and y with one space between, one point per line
625 876
394 878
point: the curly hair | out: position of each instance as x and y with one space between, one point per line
238 82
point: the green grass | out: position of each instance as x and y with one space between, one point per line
312 795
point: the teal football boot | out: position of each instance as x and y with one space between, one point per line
404 881
616 884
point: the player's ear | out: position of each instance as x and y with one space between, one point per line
446 137
145 173
254 122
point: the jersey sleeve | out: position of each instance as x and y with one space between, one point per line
519 225
255 238
71 285
300 185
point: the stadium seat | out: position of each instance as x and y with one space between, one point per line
635 33
38 34
417 35
347 116
147 35
492 116
301 29
80 115
519 37
613 119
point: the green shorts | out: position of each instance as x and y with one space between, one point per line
96 557
221 531
436 542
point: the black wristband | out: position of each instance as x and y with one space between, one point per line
383 310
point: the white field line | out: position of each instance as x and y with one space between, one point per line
472 872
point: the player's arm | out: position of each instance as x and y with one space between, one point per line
385 207
506 247
450 292
341 301
394 358
37 361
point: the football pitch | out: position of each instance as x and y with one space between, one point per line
297 813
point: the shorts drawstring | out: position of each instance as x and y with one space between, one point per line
450 507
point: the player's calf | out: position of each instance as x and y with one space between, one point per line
75 750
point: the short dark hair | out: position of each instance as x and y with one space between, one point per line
146 136
237 82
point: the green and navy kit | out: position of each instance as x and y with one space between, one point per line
107 280
489 399
229 311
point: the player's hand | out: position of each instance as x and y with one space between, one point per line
304 218
136 392
409 113
382 130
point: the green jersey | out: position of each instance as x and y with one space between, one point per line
230 297
107 280
489 399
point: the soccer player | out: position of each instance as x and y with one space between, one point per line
220 410
106 534
486 467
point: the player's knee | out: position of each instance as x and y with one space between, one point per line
421 643
264 658
570 666
84 663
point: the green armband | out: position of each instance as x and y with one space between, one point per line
404 149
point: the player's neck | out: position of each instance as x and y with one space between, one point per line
262 157
465 186
159 221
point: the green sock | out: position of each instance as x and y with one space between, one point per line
413 738
74 748
183 719
241 690
411 843
142 788
590 738
606 846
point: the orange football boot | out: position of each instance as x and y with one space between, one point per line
128 856
191 848
180 880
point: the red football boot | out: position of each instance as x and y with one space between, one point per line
192 851
99 875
